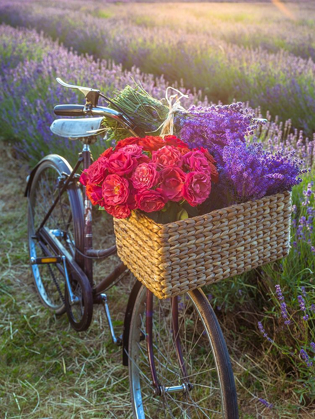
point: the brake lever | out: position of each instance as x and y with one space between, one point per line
90 94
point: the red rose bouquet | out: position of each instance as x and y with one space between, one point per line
160 176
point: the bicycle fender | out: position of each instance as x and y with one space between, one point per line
132 298
60 161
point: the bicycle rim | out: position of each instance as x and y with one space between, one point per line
49 281
205 355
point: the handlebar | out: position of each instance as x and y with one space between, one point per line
91 107
69 110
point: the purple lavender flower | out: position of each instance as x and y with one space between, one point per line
284 313
306 358
303 307
283 306
303 291
263 332
313 346
279 293
267 404
301 302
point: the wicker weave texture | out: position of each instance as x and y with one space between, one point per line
173 258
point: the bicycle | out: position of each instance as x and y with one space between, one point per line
175 350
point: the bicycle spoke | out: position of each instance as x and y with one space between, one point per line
204 398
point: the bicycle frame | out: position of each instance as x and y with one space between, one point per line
87 269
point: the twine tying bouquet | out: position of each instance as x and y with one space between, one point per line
173 101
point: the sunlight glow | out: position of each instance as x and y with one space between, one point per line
283 8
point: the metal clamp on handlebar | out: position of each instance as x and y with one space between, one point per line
91 95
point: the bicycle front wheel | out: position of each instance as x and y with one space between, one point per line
210 392
66 222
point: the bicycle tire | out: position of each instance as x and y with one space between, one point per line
213 392
66 217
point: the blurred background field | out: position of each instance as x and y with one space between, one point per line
259 53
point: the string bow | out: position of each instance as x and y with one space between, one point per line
173 101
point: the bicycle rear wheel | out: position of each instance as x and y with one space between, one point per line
211 390
66 222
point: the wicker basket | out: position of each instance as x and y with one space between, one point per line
173 258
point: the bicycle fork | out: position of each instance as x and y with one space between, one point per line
158 388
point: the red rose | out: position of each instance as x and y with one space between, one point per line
176 142
196 161
127 141
145 176
151 143
196 188
121 163
107 152
94 193
118 211
143 159
150 200
211 160
167 156
172 183
115 190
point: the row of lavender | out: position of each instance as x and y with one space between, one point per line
280 81
29 92
29 64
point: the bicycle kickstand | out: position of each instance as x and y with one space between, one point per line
116 340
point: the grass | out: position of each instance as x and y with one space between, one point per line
48 370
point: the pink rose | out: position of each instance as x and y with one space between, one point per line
84 178
121 163
132 149
196 188
172 183
98 171
115 190
196 161
118 211
94 193
213 169
145 176
150 200
167 156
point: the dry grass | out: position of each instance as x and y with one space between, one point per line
47 370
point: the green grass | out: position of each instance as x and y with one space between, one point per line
48 370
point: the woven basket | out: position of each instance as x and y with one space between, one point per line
171 259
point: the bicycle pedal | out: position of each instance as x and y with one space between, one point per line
46 260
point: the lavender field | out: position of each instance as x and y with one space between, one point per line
258 54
